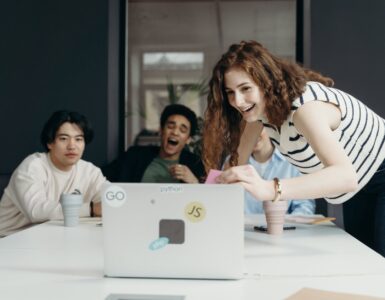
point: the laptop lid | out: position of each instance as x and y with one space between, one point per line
173 230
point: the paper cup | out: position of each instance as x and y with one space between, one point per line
71 204
275 216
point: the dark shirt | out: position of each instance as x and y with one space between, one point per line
130 166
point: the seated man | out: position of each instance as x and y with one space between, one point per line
270 163
170 162
32 195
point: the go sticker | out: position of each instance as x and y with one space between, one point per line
195 211
158 243
115 196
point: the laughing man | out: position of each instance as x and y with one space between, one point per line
170 162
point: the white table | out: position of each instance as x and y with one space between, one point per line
50 261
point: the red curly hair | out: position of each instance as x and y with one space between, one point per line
281 82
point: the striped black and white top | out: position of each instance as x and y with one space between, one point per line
361 133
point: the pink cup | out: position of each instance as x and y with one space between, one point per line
275 216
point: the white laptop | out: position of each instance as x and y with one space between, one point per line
173 230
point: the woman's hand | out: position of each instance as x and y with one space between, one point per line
183 173
249 178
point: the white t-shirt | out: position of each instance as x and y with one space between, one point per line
33 193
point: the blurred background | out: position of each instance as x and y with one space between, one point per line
120 62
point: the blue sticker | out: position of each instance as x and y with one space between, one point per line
159 243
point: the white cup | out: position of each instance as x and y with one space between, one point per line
71 204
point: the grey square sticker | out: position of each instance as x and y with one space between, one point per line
174 230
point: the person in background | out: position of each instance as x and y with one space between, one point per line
168 163
269 163
334 140
33 193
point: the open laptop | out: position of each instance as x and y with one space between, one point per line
173 230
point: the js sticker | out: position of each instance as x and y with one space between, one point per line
195 212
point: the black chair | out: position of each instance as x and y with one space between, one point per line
321 207
330 210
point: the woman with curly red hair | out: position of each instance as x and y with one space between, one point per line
332 138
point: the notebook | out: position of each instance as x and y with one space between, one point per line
173 230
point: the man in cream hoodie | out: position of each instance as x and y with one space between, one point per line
32 195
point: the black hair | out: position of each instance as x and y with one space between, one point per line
179 109
57 119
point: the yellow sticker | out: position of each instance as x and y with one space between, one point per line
195 211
